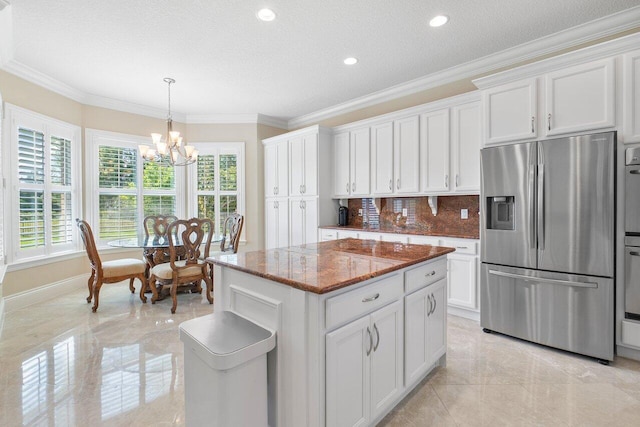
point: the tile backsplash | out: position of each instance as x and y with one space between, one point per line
413 215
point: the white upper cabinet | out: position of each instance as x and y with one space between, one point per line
351 153
631 97
341 164
406 154
466 142
434 151
276 169
580 98
360 162
303 165
382 158
510 112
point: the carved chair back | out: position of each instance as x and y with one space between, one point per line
158 225
89 244
233 227
191 233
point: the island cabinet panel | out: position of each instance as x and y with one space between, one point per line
364 365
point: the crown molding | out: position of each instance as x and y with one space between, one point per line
36 77
565 39
236 119
587 54
132 108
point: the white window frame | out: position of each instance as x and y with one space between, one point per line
94 139
217 148
16 116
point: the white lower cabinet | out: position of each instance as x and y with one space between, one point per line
364 365
425 329
462 281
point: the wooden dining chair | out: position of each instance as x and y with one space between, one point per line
190 234
233 227
109 271
157 225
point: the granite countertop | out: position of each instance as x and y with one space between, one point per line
327 266
400 230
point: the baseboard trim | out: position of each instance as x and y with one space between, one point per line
461 312
45 293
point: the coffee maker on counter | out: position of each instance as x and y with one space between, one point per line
343 216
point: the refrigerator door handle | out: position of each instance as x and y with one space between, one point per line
532 213
541 207
540 279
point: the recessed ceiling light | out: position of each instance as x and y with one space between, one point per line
266 15
439 21
351 61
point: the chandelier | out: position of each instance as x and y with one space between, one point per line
171 147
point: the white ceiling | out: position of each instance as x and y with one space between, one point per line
225 61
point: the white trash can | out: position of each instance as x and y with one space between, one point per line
225 370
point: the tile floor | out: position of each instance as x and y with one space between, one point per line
62 365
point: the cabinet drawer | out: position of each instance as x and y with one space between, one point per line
462 247
328 235
424 275
354 304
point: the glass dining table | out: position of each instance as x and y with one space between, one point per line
154 249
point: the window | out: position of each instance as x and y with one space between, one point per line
216 182
126 187
43 166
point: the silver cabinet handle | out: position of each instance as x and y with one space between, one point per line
446 181
304 204
304 188
634 253
398 183
300 189
549 122
462 247
373 298
390 184
435 304
540 279
430 305
347 187
375 328
457 180
353 187
433 273
635 172
532 120
370 341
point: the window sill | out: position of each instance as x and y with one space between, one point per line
52 259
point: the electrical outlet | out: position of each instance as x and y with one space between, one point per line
464 213
359 212
404 211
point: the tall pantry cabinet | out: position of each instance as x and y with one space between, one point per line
297 186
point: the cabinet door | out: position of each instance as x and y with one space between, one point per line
296 166
580 98
382 158
360 163
282 171
310 216
631 96
270 170
510 112
416 307
348 374
437 322
386 357
341 173
277 223
466 148
434 151
406 151
462 281
297 222
310 177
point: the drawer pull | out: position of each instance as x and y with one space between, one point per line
634 253
370 341
373 298
462 247
433 273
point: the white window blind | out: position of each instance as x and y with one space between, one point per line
217 182
44 169
127 188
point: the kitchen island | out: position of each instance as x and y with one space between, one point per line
358 323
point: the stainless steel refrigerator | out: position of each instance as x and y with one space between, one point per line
547 236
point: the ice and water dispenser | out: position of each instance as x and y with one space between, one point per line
500 213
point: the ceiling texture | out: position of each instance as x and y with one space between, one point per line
227 62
